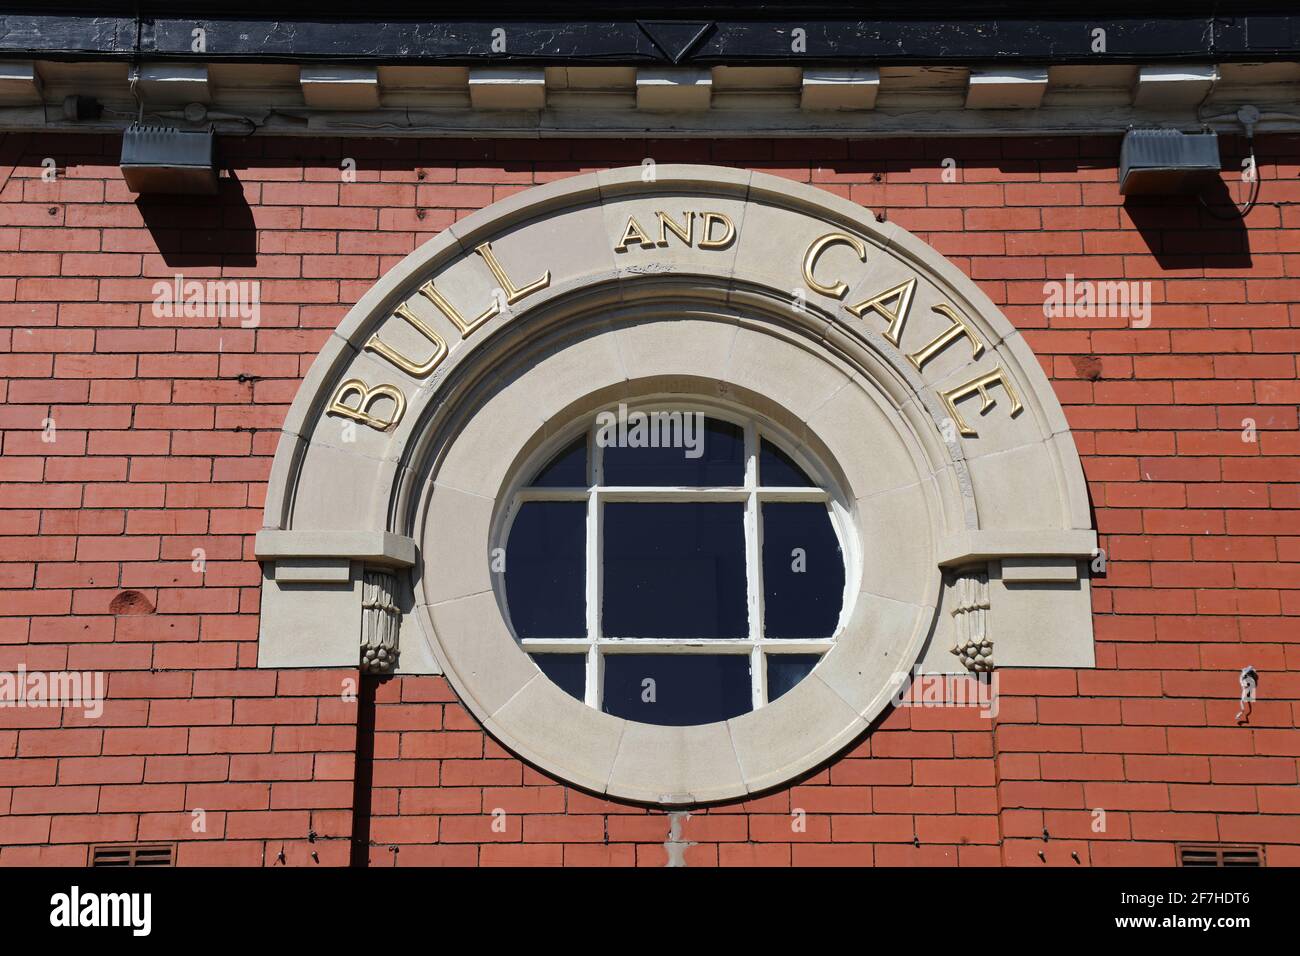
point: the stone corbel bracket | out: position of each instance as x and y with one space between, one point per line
1039 599
313 585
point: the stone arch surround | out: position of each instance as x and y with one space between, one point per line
388 519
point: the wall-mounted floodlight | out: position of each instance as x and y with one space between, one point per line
1167 162
160 159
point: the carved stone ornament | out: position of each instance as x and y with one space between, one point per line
380 619
970 590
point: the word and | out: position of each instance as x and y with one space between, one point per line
685 231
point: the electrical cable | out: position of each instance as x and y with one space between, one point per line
135 65
1248 116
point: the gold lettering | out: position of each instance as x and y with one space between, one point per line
958 328
979 386
633 233
513 293
722 241
686 234
430 292
418 370
897 316
365 398
839 289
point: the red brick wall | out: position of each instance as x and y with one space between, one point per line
166 427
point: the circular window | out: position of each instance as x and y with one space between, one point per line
676 608
673 565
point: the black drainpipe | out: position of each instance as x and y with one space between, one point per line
364 773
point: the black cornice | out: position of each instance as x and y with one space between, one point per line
166 31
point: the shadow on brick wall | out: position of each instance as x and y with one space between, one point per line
1193 232
193 231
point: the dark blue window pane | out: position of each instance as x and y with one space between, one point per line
786 670
569 671
545 563
718 451
674 570
776 469
677 689
803 570
568 469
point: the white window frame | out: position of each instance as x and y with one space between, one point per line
596 645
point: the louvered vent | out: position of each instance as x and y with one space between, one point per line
155 854
1217 855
